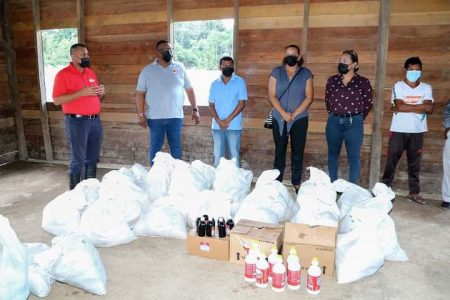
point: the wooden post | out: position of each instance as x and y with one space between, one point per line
304 46
10 60
377 125
41 77
80 13
236 33
170 33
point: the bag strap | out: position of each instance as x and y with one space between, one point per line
290 82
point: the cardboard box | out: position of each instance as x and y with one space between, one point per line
209 247
245 232
311 241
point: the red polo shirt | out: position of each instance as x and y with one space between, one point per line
69 80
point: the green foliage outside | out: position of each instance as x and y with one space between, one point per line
200 44
56 45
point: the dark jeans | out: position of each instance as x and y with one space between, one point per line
84 137
159 129
349 129
298 140
398 143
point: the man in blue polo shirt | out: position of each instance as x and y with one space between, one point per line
227 97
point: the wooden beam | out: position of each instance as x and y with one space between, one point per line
305 31
10 60
41 77
80 14
170 32
236 33
377 125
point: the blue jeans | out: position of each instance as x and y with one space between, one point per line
350 130
84 137
159 129
226 140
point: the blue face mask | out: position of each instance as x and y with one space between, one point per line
413 75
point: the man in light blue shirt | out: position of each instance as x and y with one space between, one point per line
227 97
161 86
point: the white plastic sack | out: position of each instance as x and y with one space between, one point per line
203 173
161 220
387 238
317 200
62 215
358 252
38 279
90 190
79 265
104 226
269 202
232 181
211 203
13 264
182 181
158 178
351 196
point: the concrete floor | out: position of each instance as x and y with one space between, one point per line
158 268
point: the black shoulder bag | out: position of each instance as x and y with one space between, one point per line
269 120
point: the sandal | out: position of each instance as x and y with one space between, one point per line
417 198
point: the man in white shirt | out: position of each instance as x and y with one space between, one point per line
412 101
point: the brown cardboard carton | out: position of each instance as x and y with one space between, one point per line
311 241
209 247
246 231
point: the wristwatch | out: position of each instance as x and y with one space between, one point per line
195 109
141 114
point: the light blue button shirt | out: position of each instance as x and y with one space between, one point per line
447 116
164 89
226 97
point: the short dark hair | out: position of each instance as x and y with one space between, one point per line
300 62
226 58
75 46
353 56
161 42
415 60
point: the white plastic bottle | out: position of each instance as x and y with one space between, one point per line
250 266
313 281
279 276
273 257
292 255
262 271
293 273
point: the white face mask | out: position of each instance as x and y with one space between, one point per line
413 75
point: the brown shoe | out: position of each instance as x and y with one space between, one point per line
417 198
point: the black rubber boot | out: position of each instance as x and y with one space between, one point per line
90 171
74 179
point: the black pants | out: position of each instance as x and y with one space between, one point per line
298 141
398 143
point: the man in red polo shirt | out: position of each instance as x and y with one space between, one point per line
76 88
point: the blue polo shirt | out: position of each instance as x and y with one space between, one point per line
226 97
164 89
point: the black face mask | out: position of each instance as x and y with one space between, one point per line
167 56
85 62
343 68
228 71
291 60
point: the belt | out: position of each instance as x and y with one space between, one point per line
82 116
346 115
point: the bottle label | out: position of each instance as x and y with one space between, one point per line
250 270
204 246
278 280
270 270
313 283
262 276
293 277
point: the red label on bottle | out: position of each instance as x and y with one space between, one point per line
293 277
270 269
313 283
250 270
262 276
278 280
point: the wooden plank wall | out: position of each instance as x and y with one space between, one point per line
121 34
8 138
421 28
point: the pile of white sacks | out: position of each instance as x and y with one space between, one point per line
166 202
